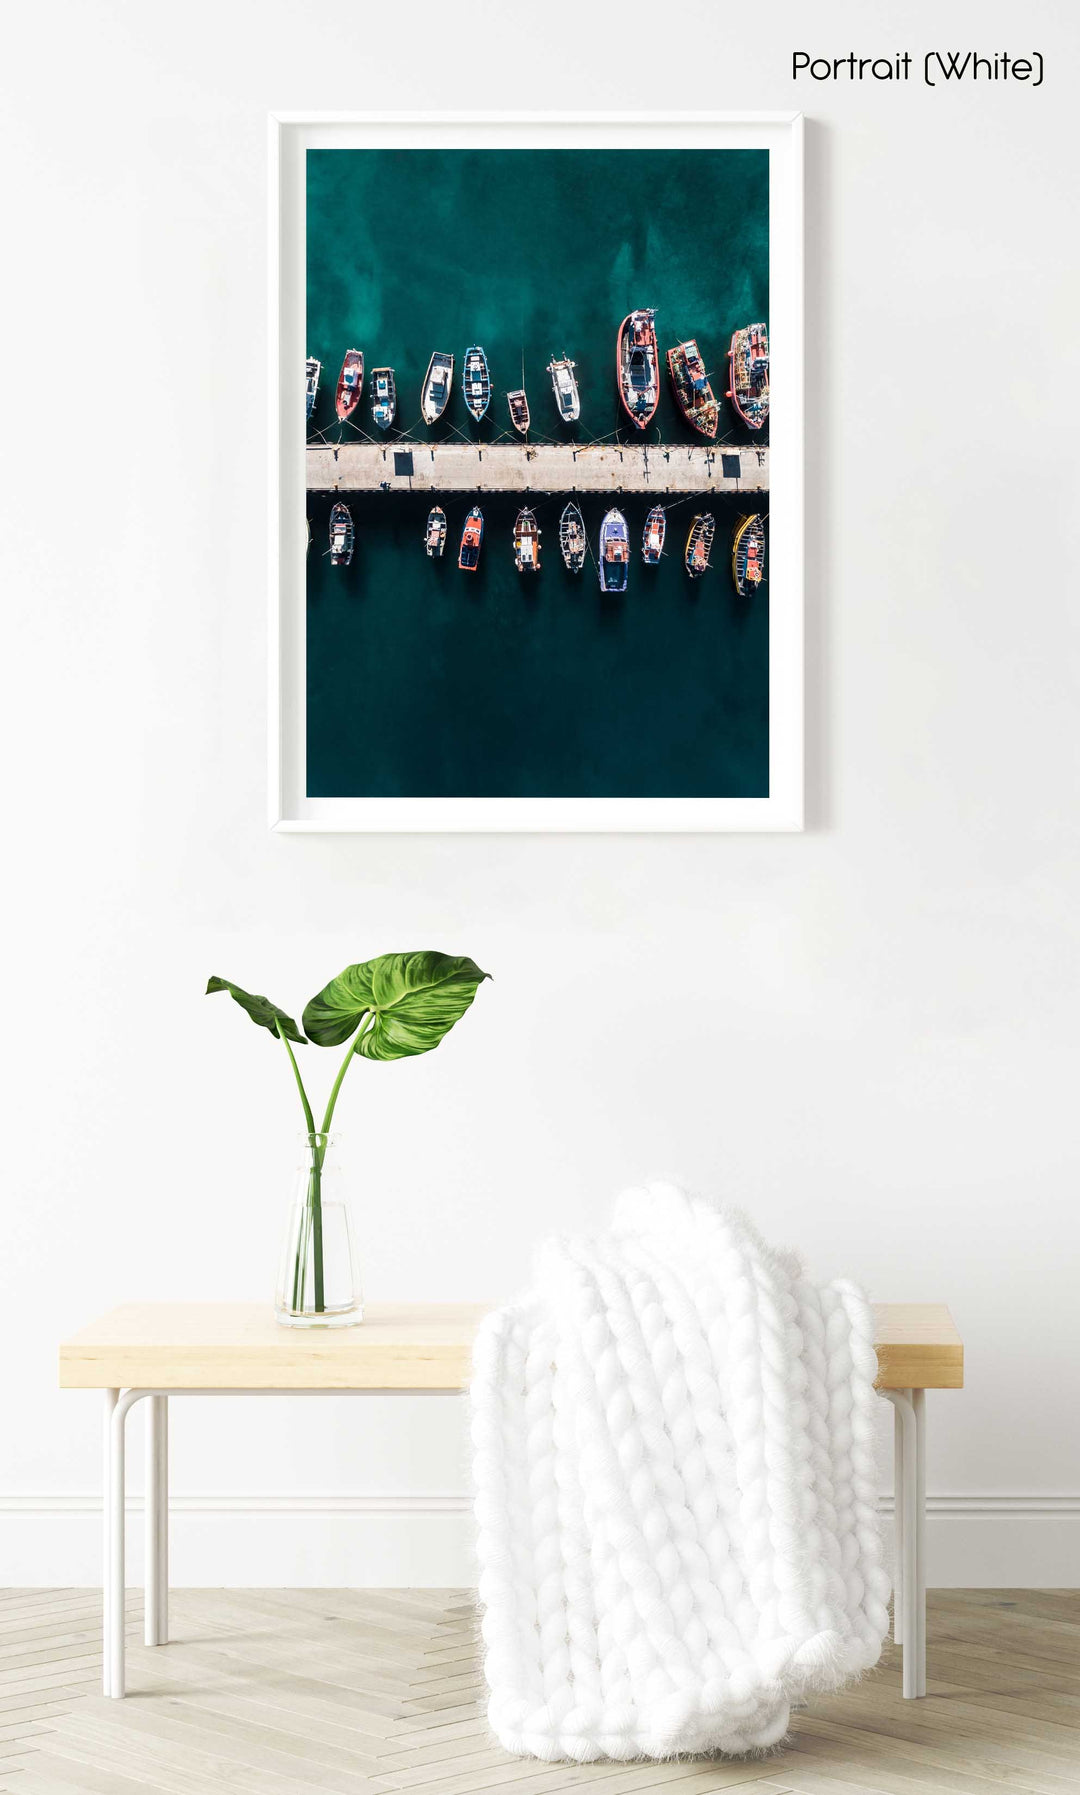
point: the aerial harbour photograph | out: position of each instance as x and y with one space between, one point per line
537 473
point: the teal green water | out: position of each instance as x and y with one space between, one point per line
423 681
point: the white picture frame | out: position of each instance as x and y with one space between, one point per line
291 134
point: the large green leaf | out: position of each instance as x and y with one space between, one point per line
260 1009
415 999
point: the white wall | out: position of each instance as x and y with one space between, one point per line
867 1033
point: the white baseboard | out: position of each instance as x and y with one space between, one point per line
425 1542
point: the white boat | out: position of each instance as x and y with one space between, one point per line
614 552
342 536
313 370
435 534
572 542
383 397
565 387
652 541
527 542
436 393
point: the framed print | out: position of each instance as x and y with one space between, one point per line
536 472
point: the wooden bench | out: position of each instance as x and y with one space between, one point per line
158 1350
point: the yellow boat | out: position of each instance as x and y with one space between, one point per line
699 543
748 554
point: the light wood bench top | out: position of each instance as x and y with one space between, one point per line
399 1346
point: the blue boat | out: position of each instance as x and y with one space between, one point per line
614 552
476 381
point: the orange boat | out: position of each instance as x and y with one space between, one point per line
471 538
636 367
350 383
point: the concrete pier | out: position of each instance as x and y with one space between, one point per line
555 467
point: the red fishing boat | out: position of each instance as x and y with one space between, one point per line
350 383
748 362
692 390
637 369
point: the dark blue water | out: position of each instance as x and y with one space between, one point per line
425 681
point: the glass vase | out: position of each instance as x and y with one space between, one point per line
318 1280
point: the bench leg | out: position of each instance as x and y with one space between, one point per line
107 1621
910 1587
898 1529
918 1403
114 1570
156 1618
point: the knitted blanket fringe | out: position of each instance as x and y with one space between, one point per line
676 1500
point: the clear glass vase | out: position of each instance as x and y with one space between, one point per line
319 1280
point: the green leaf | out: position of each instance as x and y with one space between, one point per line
260 1009
415 999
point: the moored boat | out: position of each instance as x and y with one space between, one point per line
312 370
527 542
476 381
565 387
572 540
436 393
693 394
652 541
636 367
342 536
350 384
748 554
435 534
519 410
471 538
748 366
383 397
699 543
614 552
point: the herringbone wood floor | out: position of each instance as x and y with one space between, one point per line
304 1692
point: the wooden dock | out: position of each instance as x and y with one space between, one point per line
555 467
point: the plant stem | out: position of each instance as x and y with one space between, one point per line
308 1117
364 1028
314 1202
318 1143
300 1263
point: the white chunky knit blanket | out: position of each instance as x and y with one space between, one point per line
675 1490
